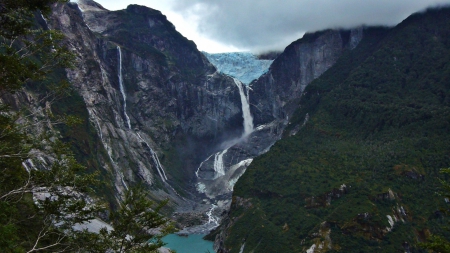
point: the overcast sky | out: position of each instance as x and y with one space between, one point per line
261 25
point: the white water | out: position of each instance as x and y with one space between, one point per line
108 149
211 218
248 119
219 167
155 158
242 248
201 164
105 145
234 180
123 181
122 89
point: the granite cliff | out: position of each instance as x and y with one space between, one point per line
157 112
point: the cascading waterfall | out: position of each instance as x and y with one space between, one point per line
219 167
122 89
201 164
123 181
248 119
105 145
155 158
109 152
211 218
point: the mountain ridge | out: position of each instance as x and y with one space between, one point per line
357 167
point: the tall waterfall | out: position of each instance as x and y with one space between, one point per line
248 119
122 89
219 167
155 158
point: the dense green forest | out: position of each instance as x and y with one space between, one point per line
359 165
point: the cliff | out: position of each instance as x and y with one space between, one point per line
153 104
358 165
157 112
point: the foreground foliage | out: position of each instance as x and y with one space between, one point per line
136 223
44 191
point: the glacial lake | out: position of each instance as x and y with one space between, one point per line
188 244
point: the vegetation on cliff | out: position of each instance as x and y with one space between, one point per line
42 204
358 167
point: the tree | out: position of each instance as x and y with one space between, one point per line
39 207
27 51
29 223
138 226
436 243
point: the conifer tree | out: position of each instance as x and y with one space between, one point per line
39 208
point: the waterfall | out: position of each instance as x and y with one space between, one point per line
201 164
219 167
115 167
211 218
122 89
155 158
248 119
105 145
123 181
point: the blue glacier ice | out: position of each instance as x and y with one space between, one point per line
243 66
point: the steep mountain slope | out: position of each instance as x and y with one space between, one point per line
153 104
276 93
269 106
157 112
357 168
162 113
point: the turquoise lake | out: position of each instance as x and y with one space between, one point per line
190 244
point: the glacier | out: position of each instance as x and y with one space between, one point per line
243 66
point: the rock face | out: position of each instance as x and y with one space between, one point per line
152 96
357 163
276 93
161 113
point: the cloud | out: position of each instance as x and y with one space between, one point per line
259 25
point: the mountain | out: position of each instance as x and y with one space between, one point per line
244 66
334 147
157 112
153 106
357 167
270 99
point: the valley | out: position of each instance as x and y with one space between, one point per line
333 145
